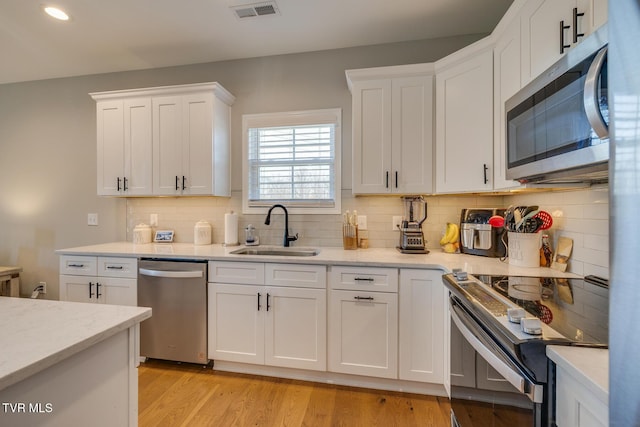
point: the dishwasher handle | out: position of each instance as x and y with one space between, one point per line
172 273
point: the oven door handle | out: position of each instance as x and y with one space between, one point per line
498 362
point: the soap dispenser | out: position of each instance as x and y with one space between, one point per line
250 237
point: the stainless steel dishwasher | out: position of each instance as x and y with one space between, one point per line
176 291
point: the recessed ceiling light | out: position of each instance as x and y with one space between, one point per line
56 13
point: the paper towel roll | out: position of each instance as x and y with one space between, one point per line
231 229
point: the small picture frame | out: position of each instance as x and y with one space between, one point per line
163 236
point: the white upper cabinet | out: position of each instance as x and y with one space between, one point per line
464 121
124 147
164 141
392 129
551 27
506 82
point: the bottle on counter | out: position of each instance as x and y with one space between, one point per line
545 252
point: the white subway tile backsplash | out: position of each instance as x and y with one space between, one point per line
580 214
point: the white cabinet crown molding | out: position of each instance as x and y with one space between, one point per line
219 91
394 71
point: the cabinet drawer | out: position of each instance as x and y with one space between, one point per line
118 267
243 273
363 278
79 265
298 275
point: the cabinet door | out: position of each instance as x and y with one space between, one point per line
296 328
506 82
236 323
110 146
197 143
167 145
576 405
77 288
116 291
464 125
422 317
138 147
372 137
412 135
363 333
541 34
596 14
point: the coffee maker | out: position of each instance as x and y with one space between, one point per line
478 237
411 237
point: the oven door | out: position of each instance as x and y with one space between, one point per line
487 387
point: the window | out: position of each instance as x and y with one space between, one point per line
292 158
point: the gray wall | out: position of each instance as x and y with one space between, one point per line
48 146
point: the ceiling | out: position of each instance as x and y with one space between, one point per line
119 35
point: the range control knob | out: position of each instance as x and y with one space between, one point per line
531 326
515 315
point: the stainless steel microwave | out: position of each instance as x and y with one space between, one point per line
557 125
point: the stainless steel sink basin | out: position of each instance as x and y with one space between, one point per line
277 251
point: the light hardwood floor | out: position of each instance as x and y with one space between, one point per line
189 395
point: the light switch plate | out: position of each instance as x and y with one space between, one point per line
362 222
153 220
92 219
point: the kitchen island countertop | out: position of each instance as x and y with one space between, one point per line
390 257
37 334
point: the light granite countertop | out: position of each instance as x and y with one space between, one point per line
389 257
589 366
37 334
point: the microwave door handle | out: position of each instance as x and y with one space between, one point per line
504 368
591 98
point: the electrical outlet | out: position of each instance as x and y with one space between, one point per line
362 222
153 220
396 222
44 287
92 219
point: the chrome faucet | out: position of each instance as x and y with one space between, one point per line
287 238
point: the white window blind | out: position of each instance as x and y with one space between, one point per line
292 159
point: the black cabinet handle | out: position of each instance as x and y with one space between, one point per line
90 290
114 267
98 294
387 180
76 265
184 187
259 306
485 169
118 183
576 34
396 179
268 306
358 298
126 183
177 181
363 279
562 45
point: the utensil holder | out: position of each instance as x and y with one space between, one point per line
349 236
524 249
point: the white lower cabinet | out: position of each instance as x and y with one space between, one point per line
576 405
363 323
262 324
103 280
422 325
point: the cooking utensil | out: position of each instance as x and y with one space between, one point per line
496 221
547 219
519 224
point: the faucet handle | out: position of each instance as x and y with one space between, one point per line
293 238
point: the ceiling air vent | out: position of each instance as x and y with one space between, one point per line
256 10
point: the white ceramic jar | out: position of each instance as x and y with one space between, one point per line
141 234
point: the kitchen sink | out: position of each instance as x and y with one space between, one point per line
277 251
